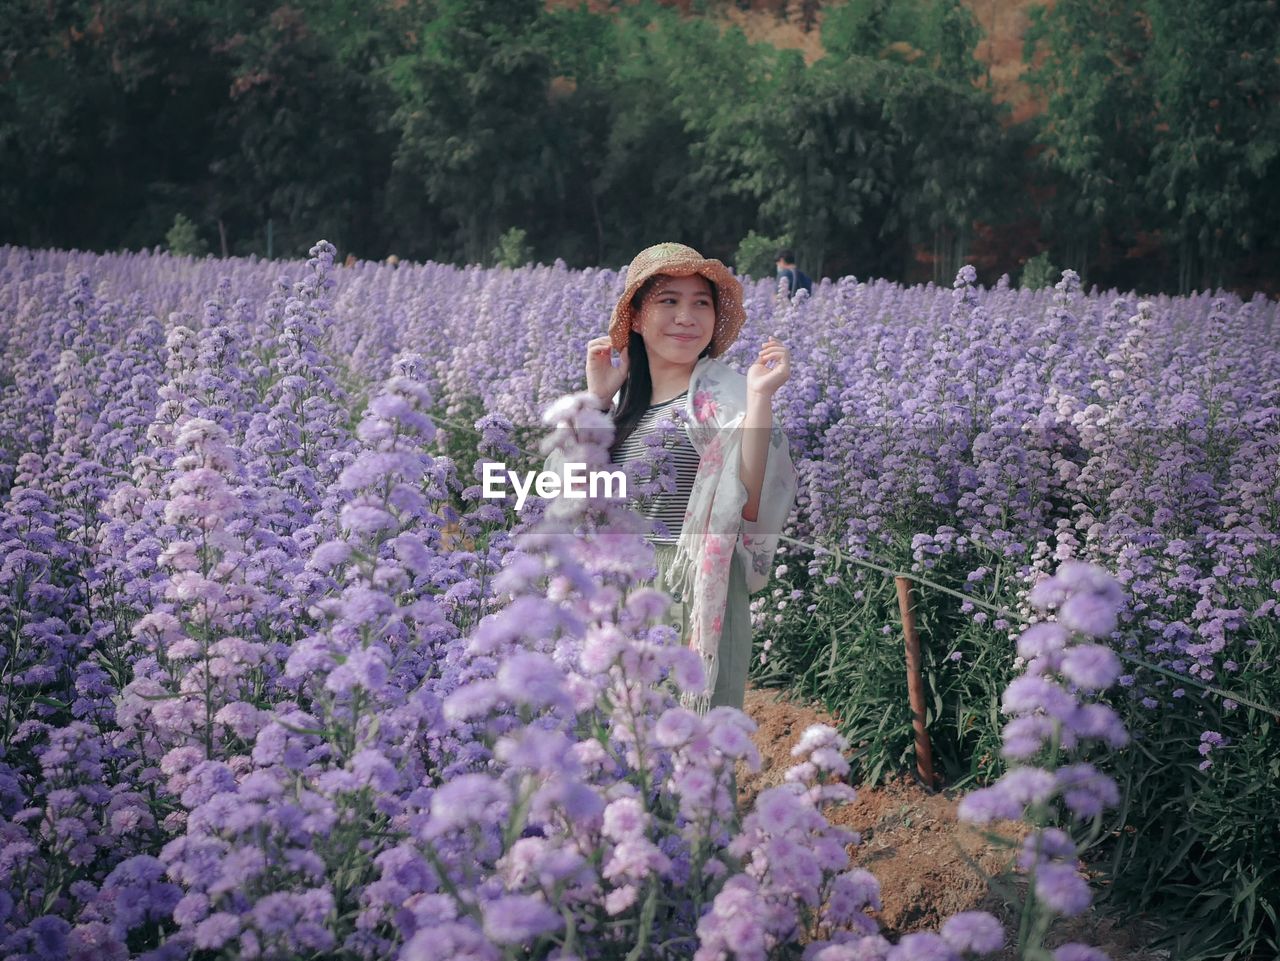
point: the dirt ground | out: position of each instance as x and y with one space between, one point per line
928 863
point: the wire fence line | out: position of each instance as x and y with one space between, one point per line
841 557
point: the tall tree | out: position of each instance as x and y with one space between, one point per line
1098 127
639 128
814 156
937 35
585 52
1215 165
304 134
698 89
115 117
914 61
472 116
103 119
948 174
1163 114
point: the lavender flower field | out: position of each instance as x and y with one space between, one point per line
277 682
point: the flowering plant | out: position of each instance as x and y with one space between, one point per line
263 654
1053 719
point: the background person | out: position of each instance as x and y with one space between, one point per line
796 278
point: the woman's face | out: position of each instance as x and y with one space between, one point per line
677 319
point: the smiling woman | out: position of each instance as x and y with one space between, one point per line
675 321
735 483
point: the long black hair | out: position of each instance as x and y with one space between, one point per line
637 390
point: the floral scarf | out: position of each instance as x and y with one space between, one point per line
713 523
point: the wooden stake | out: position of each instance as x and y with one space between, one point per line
915 683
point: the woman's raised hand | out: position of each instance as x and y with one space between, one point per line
603 379
763 379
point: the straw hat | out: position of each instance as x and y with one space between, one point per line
677 260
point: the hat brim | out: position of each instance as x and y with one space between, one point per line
730 313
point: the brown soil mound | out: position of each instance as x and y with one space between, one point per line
930 866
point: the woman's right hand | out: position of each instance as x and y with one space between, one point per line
603 379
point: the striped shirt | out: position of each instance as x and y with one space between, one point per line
666 508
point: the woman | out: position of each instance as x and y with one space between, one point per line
735 483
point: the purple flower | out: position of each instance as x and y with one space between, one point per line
1027 785
1063 889
851 893
620 899
1044 845
365 520
867 948
988 804
1091 667
472 701
1093 615
1027 694
454 939
779 809
647 604
1073 951
330 554
816 737
1100 722
518 919
922 946
362 668
730 739
973 931
625 819
735 923
468 798
1085 791
95 941
688 671
1088 599
1023 737
50 936
677 726
538 750
191 909
1043 638
216 930
373 769
634 859
533 679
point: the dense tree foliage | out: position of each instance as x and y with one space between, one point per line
1163 122
433 128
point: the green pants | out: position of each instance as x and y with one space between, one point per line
735 636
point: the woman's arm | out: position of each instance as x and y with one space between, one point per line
762 382
603 379
758 424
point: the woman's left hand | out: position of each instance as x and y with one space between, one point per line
763 380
